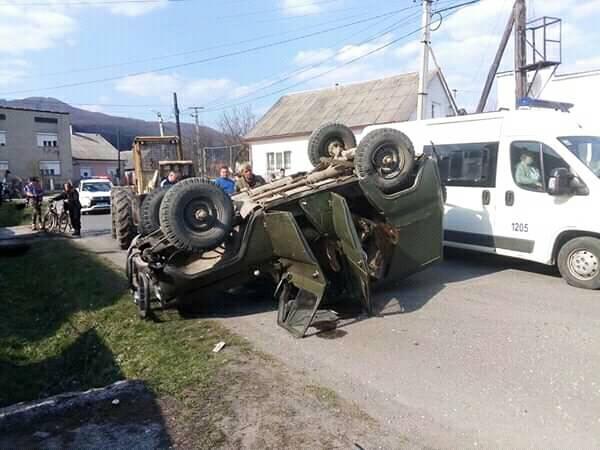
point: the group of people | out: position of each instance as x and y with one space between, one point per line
247 180
34 193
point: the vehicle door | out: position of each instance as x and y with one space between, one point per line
528 218
468 172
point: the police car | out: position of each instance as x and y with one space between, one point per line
94 194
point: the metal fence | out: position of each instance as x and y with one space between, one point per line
211 159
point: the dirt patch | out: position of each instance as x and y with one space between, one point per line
259 403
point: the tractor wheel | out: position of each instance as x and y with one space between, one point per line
122 203
387 157
195 215
326 140
150 211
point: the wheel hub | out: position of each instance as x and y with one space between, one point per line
201 214
583 264
387 161
335 148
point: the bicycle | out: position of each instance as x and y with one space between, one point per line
55 221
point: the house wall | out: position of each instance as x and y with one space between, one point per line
21 150
583 90
96 168
298 145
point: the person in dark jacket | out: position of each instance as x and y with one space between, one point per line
70 198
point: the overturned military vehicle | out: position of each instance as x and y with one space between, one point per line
364 214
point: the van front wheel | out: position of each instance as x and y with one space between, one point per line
579 262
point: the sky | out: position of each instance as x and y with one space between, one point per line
127 57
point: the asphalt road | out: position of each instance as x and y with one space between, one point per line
479 351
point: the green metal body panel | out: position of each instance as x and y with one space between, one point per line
417 214
302 270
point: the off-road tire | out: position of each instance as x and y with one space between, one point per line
113 220
579 262
179 211
371 146
319 140
150 211
122 203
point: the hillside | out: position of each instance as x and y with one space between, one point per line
107 125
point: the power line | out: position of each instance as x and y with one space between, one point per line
90 3
216 103
190 52
327 72
201 61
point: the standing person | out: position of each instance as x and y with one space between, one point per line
224 181
70 198
4 185
248 180
171 179
35 195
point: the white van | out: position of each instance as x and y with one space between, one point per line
522 183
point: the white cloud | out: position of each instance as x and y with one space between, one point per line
149 85
24 30
308 57
137 9
12 71
300 7
191 91
350 52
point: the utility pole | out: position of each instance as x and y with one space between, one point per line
520 12
199 150
161 122
496 64
424 73
179 143
118 157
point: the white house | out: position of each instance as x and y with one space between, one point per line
581 89
280 138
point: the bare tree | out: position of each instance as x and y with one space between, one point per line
236 123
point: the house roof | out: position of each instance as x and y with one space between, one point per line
18 108
392 99
91 146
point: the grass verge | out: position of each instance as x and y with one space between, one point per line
69 324
12 215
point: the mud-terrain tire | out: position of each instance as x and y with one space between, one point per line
324 136
150 211
196 215
579 262
387 157
122 203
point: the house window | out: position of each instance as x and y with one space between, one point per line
279 160
3 166
50 168
48 140
471 165
45 120
2 138
2 116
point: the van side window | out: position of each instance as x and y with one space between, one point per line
532 164
470 165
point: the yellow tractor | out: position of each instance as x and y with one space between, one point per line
135 206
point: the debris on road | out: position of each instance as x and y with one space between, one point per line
219 347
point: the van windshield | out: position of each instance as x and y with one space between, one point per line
586 148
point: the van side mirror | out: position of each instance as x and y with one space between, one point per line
559 182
